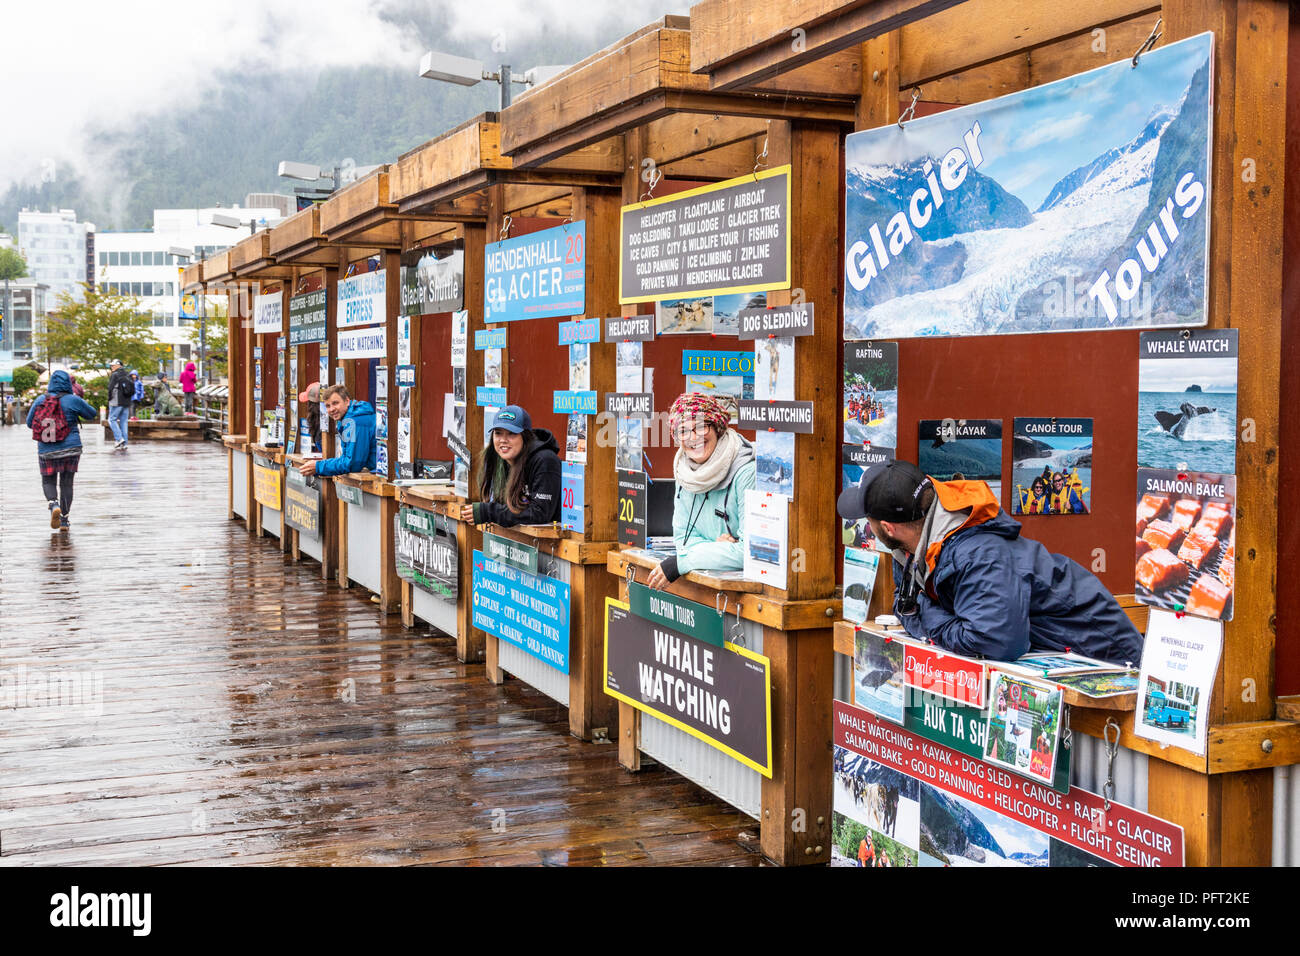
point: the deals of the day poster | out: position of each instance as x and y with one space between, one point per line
1051 466
1078 204
1187 400
1024 726
871 397
767 538
1179 661
951 449
1186 541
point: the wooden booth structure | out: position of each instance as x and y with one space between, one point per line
690 108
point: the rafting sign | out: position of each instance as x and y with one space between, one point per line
1079 204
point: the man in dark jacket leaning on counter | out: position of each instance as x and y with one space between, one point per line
965 578
356 426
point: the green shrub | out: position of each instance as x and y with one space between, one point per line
24 378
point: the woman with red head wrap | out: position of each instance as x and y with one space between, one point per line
714 467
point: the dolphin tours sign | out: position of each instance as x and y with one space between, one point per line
1079 204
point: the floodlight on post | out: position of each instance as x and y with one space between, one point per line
466 72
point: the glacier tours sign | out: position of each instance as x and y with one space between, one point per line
1080 204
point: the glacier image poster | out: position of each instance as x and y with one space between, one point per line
1078 204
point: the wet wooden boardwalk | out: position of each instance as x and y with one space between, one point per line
174 691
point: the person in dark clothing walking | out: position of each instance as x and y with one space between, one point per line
120 390
55 420
521 474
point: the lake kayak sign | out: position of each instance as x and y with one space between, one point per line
537 276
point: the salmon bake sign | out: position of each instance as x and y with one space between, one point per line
1079 204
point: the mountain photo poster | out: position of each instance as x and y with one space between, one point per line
1079 204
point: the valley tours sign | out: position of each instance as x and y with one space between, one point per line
1079 204
720 239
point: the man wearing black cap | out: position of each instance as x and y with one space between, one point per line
965 578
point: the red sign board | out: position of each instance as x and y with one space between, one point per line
1122 835
940 672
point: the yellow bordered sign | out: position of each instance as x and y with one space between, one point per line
721 239
720 696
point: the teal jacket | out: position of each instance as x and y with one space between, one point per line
697 524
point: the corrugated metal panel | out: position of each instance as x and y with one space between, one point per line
723 776
310 546
532 670
432 611
363 543
239 464
1286 816
1088 770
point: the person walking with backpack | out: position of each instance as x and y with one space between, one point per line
120 391
189 384
55 419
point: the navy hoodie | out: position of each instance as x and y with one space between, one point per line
990 592
541 488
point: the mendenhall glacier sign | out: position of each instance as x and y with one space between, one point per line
1080 204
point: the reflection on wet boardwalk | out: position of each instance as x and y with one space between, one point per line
174 691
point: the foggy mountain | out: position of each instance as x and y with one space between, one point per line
229 142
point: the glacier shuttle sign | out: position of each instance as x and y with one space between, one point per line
1079 204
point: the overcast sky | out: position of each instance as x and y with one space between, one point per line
70 63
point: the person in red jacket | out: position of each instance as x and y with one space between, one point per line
189 383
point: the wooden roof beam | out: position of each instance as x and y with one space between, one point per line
768 39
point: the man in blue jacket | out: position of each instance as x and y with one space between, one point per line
965 579
356 430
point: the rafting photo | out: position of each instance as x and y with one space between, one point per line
1186 541
871 394
1077 204
1051 466
876 820
1187 400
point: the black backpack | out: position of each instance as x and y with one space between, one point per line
125 390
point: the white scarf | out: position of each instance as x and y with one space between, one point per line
702 477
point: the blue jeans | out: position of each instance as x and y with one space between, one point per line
117 418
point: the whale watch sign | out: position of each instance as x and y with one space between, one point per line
1079 204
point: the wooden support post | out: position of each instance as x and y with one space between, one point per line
471 643
796 821
390 590
590 707
343 544
331 540
629 718
408 605
1225 816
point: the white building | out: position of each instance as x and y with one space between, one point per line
139 263
24 303
55 247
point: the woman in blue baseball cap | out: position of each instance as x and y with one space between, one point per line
519 479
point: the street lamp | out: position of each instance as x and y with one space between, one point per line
180 252
234 222
345 171
466 72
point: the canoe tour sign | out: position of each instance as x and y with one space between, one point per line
724 238
721 695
